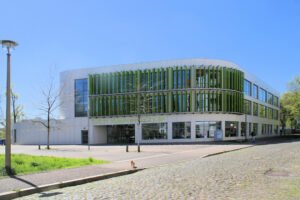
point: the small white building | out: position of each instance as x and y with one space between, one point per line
185 100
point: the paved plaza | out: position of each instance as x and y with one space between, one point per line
151 156
270 171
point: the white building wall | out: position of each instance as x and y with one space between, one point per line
70 132
62 132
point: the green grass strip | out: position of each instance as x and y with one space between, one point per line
24 164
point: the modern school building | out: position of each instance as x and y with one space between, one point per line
185 100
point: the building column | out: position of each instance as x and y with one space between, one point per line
247 129
193 130
258 129
239 128
223 129
169 130
137 132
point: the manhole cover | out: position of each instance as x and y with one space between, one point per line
272 172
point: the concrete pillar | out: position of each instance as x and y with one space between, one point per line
169 130
223 128
247 129
137 132
239 128
193 130
258 129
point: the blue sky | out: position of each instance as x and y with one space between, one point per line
261 36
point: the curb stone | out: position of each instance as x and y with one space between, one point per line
47 187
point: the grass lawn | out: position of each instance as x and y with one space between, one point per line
24 164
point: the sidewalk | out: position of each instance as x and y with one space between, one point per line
56 176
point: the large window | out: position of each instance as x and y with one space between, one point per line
207 129
155 131
275 101
270 113
181 130
263 129
255 109
269 129
270 98
255 91
276 129
255 128
81 102
243 128
262 95
262 111
275 114
247 88
247 107
231 129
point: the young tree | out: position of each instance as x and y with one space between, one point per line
17 109
290 104
49 105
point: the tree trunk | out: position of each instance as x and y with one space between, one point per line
48 130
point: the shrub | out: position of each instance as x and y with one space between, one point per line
34 164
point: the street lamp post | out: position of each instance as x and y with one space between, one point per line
8 44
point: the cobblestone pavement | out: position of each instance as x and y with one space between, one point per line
262 172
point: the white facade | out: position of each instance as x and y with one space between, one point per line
68 129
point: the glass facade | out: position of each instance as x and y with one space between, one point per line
270 98
275 114
117 93
81 98
181 130
263 129
262 111
247 109
276 101
276 129
247 88
255 91
262 95
269 129
231 129
255 109
120 134
255 128
207 129
154 131
270 113
243 128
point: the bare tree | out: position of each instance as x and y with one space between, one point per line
143 105
49 105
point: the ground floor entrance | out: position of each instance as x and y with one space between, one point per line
120 134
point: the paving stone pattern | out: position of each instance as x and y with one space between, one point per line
261 172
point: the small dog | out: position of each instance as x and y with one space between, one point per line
133 164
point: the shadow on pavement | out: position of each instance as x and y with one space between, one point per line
50 194
23 180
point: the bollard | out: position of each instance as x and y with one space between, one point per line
139 149
127 148
39 147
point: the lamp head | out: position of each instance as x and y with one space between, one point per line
8 43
